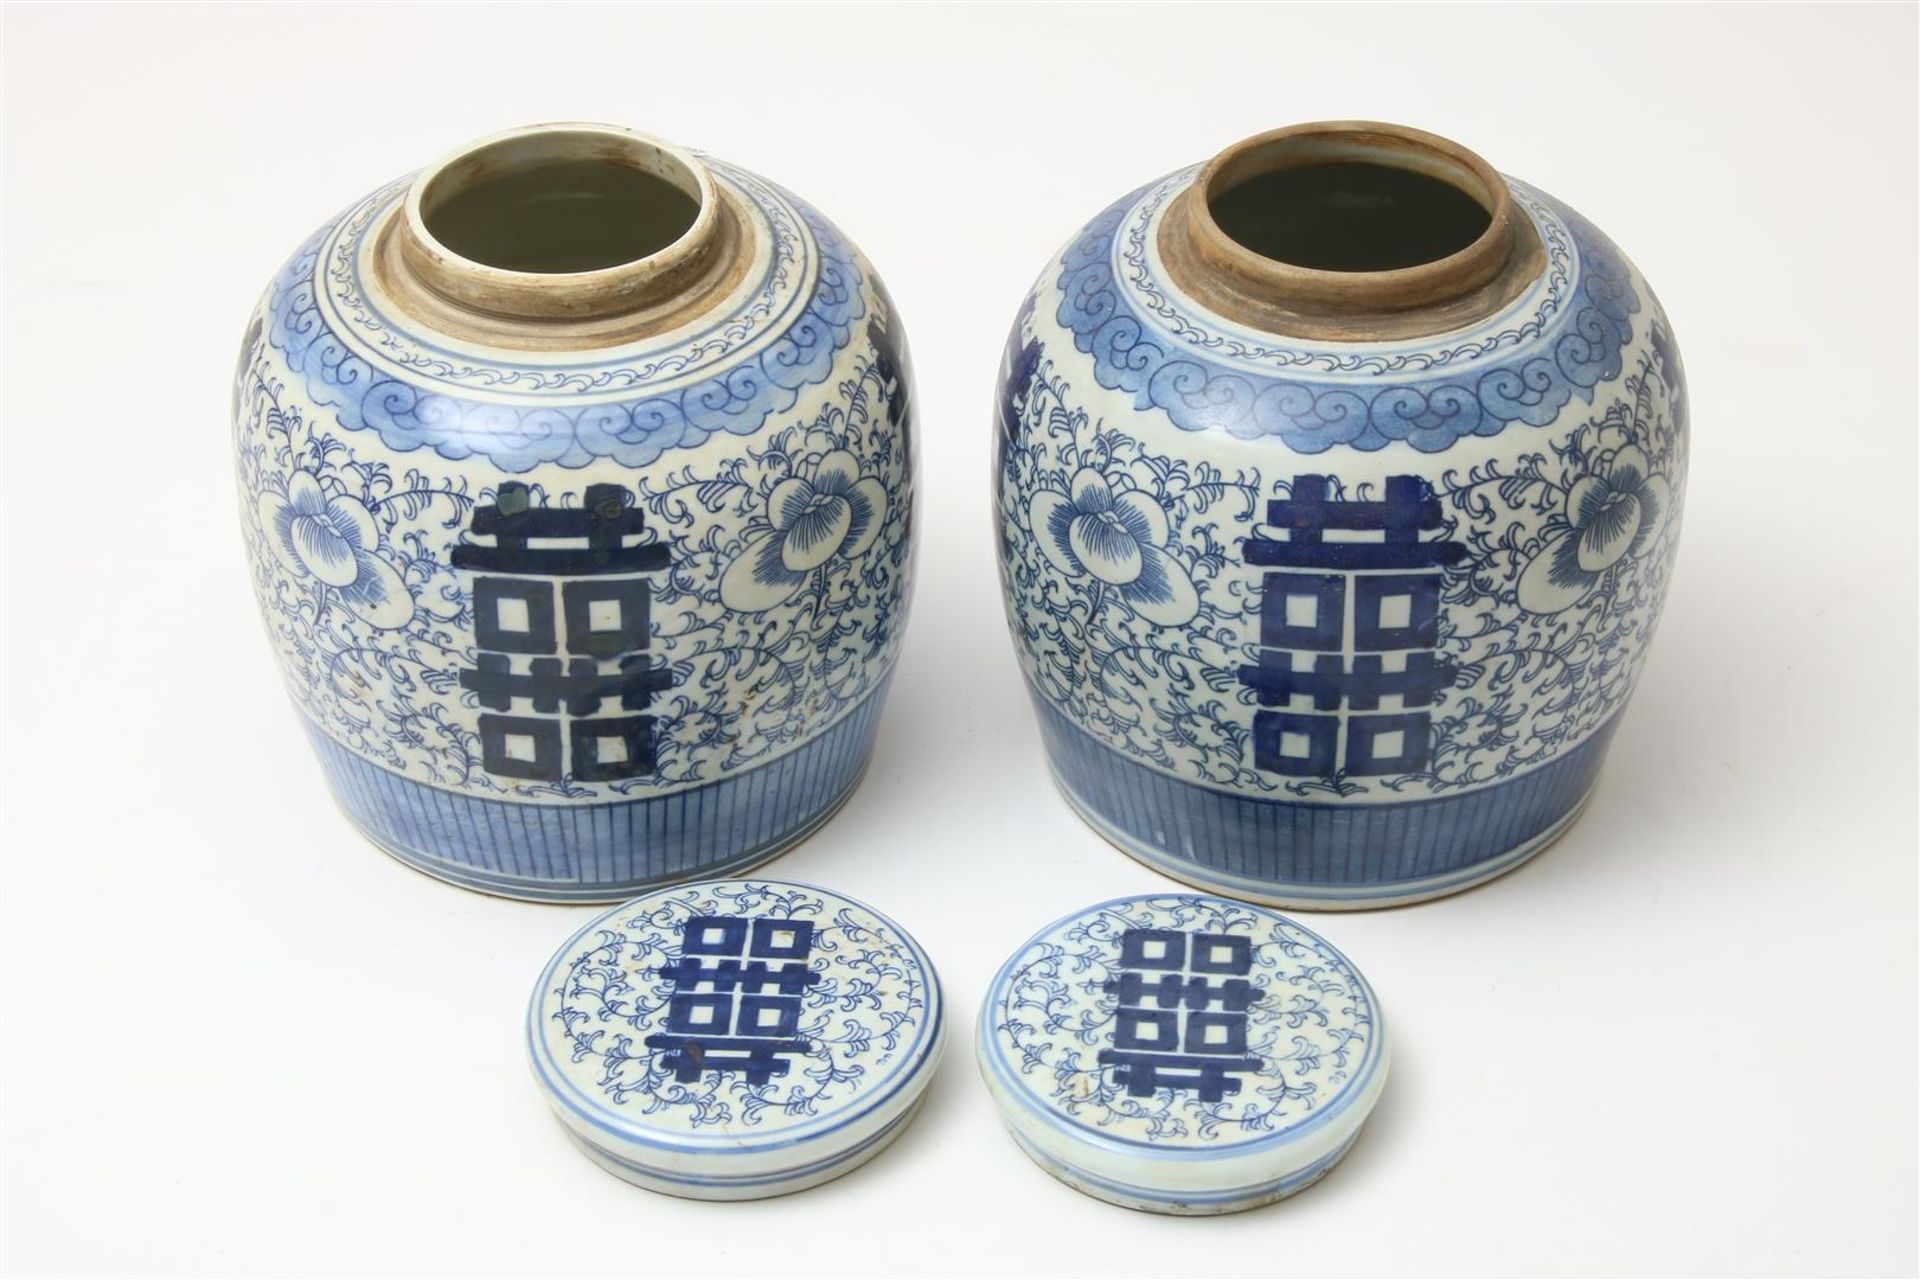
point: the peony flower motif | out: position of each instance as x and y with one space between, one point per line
1119 539
1610 517
333 539
834 514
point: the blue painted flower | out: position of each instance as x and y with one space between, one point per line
1610 517
333 539
832 513
1119 539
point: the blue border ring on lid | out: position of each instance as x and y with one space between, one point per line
736 1039
1181 1053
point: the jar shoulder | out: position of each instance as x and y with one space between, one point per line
1159 361
808 308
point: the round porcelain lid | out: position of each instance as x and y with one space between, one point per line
735 1037
1182 1052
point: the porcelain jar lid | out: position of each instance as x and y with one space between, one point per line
1182 1053
735 1039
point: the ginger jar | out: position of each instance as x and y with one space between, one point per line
1338 484
576 479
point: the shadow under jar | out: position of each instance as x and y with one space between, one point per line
1339 485
576 478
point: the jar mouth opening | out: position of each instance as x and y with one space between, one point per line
563 236
1333 202
1354 199
560 200
1351 230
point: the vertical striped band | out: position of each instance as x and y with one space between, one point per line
1315 853
606 850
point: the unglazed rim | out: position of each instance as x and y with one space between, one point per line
1432 297
542 311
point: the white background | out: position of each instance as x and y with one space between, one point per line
240 1040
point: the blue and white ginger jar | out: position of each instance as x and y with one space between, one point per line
1338 484
576 477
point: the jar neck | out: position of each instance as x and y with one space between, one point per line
562 237
1350 231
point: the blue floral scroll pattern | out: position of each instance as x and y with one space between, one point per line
1316 1029
351 565
413 407
1523 371
872 1016
1546 620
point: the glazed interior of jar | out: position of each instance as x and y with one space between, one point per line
1351 229
561 237
558 203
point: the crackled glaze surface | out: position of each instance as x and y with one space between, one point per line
1191 518
753 469
729 1037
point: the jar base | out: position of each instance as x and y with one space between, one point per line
591 895
612 850
1317 856
1314 897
